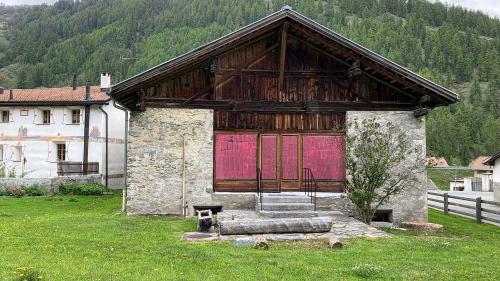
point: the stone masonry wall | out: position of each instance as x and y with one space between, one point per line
155 160
49 184
411 204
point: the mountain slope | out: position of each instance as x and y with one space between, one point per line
45 45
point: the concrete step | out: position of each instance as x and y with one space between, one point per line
286 199
287 206
288 214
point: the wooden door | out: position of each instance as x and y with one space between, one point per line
280 162
281 158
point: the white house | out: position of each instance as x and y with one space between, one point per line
51 132
495 162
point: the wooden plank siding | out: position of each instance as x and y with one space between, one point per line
330 121
250 74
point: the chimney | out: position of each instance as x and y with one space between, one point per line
105 81
87 90
11 95
73 83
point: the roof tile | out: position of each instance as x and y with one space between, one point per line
64 94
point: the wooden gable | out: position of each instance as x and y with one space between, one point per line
283 65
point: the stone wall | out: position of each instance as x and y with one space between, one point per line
411 204
155 163
50 184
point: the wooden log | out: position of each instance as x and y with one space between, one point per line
334 243
296 225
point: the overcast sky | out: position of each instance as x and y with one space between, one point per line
491 7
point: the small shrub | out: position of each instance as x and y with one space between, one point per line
82 189
15 191
27 274
367 270
23 191
35 190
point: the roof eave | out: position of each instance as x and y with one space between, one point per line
491 161
52 103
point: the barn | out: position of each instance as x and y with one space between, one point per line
264 109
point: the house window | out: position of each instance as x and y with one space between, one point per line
5 116
45 116
1 152
75 116
61 152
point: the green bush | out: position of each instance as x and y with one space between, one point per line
82 188
34 190
14 191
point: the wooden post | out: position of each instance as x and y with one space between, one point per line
478 210
445 203
282 55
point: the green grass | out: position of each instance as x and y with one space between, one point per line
441 177
87 238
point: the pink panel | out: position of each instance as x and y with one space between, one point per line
324 156
289 157
269 157
235 156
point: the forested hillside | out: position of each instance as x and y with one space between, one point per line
45 45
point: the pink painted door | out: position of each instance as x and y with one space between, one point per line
324 155
235 156
281 158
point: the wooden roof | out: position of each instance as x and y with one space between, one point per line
346 51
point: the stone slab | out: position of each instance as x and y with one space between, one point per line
263 226
343 227
200 236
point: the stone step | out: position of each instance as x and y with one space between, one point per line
288 214
286 199
287 206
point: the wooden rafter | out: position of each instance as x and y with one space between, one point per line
228 77
282 56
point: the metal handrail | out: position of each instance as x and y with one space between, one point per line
310 185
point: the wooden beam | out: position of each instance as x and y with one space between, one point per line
198 95
230 76
273 106
419 112
282 57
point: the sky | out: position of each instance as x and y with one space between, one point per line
490 7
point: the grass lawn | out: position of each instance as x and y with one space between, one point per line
441 177
86 238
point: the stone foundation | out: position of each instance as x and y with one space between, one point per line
49 184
